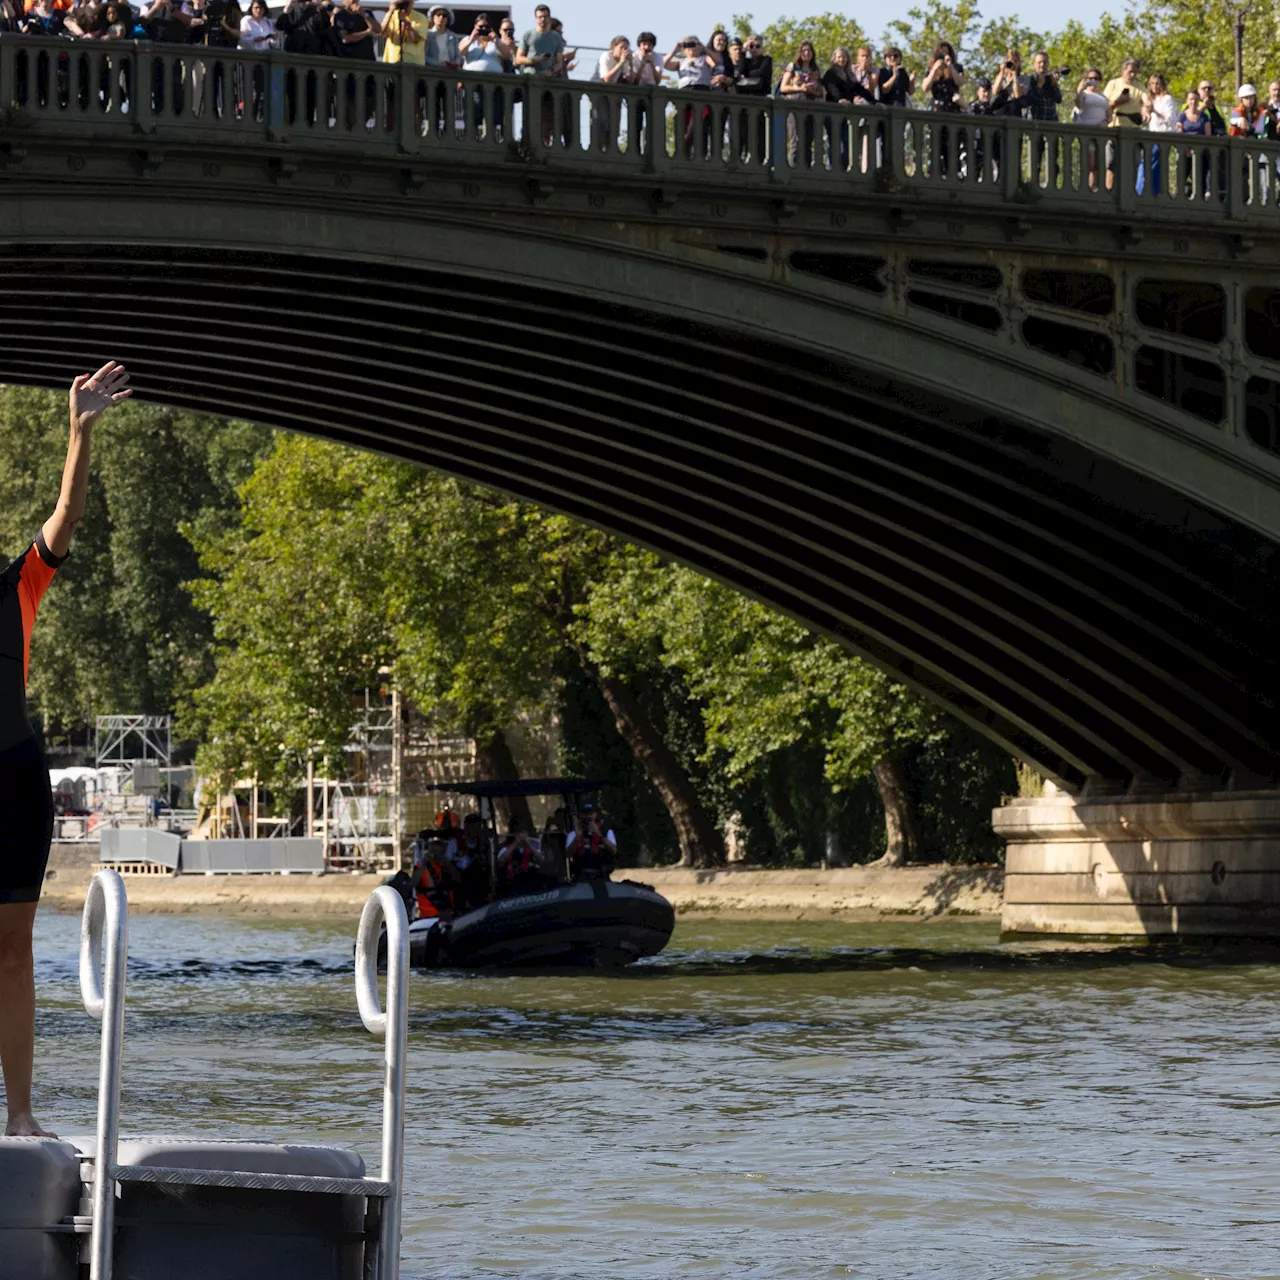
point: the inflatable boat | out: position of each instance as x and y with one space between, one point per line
602 924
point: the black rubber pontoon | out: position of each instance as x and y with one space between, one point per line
598 923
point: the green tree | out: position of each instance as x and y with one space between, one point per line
119 634
782 37
765 683
347 565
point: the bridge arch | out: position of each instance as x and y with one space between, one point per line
1080 569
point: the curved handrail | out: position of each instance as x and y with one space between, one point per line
385 904
105 921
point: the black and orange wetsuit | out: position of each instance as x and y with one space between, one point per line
25 798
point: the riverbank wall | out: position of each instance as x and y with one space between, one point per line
847 893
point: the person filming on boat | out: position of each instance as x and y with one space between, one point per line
520 865
24 772
592 847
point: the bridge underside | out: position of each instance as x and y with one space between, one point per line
1096 622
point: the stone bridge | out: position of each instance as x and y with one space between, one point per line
996 404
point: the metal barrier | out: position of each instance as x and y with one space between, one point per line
163 93
106 916
393 1026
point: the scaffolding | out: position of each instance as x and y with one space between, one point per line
359 819
120 741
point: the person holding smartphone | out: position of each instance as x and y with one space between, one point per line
1124 95
542 49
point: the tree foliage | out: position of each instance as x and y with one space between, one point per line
347 566
782 38
119 634
763 681
1185 40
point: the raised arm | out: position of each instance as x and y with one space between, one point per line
92 394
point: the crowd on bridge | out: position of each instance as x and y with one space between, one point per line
721 64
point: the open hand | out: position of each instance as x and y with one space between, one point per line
92 394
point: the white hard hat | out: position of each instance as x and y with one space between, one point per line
1247 91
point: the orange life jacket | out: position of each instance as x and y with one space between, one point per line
519 861
436 889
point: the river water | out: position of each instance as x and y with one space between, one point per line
764 1100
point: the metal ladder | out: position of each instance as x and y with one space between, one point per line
105 922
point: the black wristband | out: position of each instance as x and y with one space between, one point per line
42 547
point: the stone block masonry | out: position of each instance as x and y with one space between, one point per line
1197 864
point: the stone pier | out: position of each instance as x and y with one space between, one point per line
1199 864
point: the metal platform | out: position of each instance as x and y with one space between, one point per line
112 1171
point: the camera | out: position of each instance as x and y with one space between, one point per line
690 44
484 29
1009 66
1060 71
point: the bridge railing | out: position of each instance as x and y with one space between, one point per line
174 94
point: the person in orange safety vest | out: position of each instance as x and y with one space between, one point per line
432 878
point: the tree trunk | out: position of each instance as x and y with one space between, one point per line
496 761
901 830
700 844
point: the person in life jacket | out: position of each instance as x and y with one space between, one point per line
1248 120
519 862
433 878
470 858
591 846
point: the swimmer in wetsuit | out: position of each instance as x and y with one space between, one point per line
25 798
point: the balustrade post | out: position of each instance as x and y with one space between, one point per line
8 70
144 66
273 93
1011 159
1126 152
895 152
655 128
406 92
1237 180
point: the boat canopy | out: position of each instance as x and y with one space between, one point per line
519 787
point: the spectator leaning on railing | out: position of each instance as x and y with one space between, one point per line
1159 106
615 64
895 80
756 76
945 79
356 31
440 47
721 73
1009 90
541 48
1042 93
723 64
484 49
1125 96
1092 110
1249 120
1209 105
404 32
257 31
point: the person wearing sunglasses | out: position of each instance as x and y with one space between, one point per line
755 76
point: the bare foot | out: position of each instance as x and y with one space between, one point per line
25 1126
